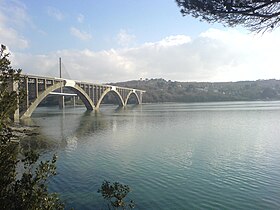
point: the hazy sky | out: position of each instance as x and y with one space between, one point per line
120 40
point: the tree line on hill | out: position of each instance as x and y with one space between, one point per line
160 90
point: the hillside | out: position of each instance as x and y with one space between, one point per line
160 90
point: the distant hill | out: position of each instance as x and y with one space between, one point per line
160 90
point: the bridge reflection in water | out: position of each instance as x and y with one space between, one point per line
37 88
69 127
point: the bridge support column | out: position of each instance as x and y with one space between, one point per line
16 113
61 102
74 101
27 93
140 98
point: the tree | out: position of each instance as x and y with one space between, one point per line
256 15
26 190
116 193
8 97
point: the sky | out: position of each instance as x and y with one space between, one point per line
120 40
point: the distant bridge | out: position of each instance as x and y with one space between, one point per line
37 88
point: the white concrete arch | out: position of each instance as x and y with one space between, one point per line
116 94
83 96
81 93
132 93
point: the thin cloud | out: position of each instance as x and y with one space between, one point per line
215 55
11 38
20 17
82 35
171 41
55 13
80 18
125 39
8 34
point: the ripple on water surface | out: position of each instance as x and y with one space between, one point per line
173 156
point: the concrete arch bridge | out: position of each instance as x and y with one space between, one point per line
37 88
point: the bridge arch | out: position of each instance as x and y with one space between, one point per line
115 93
128 96
79 91
83 96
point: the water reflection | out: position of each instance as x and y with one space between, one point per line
65 128
88 124
62 128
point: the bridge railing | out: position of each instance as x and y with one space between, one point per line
77 81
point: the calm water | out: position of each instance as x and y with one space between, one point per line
173 156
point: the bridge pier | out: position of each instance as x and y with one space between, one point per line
15 86
61 102
74 101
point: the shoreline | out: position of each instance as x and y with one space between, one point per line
20 131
